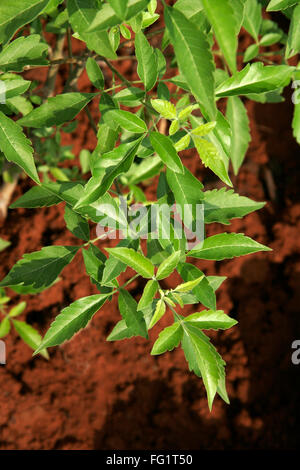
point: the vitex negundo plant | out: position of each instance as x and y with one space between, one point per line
132 147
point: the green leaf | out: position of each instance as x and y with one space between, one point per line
30 336
127 120
147 62
190 285
165 108
212 159
251 52
256 78
159 312
223 205
16 147
72 319
77 224
270 38
111 165
133 318
296 122
40 268
174 127
135 260
23 51
222 18
226 246
107 138
293 42
182 143
120 7
252 18
236 114
130 96
4 327
210 320
4 244
94 261
238 7
185 112
113 266
148 168
85 160
168 265
64 190
187 190
215 282
14 87
204 129
149 292
194 58
203 359
57 110
106 16
17 310
81 14
120 331
191 9
168 339
164 147
203 291
95 73
276 5
16 14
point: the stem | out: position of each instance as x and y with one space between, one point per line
52 72
113 69
98 238
175 313
90 117
70 47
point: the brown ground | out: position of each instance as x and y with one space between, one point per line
98 395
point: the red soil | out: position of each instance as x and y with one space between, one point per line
98 395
